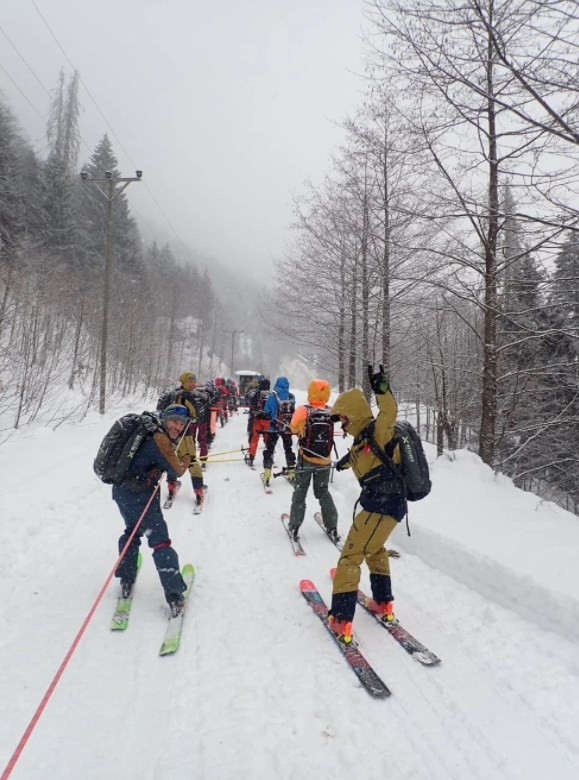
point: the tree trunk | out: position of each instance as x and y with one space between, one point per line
354 315
439 434
77 333
342 324
489 388
365 299
386 346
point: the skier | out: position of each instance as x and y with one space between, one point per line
201 402
214 396
280 407
382 501
222 402
184 396
233 397
250 402
260 419
313 424
155 456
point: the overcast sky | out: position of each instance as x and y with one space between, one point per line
226 105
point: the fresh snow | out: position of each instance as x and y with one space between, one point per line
488 581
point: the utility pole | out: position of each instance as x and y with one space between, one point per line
213 344
233 332
110 194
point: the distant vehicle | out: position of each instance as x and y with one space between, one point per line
244 378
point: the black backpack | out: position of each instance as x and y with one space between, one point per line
252 399
318 436
263 396
168 398
412 470
121 444
285 409
200 400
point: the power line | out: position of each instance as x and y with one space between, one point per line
43 117
38 79
25 61
87 90
30 103
105 120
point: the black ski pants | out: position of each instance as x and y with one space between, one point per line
271 441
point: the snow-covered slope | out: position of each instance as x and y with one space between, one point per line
258 690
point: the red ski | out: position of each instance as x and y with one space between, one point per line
358 663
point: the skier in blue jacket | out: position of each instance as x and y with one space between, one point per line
279 409
155 456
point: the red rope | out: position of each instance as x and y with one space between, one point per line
45 699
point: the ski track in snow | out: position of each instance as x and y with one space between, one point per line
257 689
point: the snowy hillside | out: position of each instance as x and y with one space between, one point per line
258 691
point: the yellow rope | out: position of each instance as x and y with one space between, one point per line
227 452
227 460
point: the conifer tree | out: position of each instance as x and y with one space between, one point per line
91 215
11 202
565 288
58 185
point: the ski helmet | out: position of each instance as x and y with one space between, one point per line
175 412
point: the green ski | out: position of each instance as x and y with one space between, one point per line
120 620
172 638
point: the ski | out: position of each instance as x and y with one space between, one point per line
172 638
266 486
404 638
318 518
247 460
296 544
120 621
198 508
358 663
283 472
171 497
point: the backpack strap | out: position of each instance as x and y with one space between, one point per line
385 454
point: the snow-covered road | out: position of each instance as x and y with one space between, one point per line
257 689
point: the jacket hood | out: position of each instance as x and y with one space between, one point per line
318 392
186 377
281 387
264 384
353 405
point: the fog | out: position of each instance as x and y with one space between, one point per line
226 106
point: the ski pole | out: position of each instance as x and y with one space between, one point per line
182 437
284 471
227 452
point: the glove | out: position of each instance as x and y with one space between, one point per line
378 381
343 463
186 460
